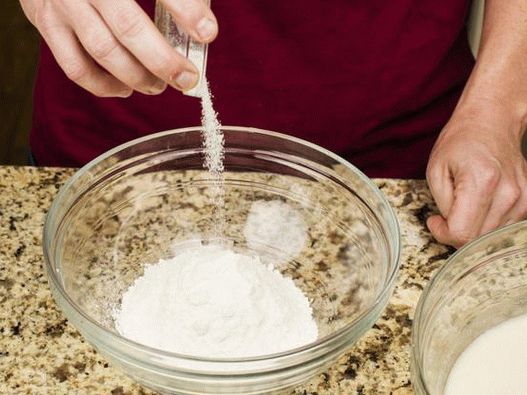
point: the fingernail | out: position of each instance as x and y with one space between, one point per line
206 29
158 87
125 94
185 80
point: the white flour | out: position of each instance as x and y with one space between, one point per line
210 301
495 363
213 140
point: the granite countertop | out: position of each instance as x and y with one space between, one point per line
41 353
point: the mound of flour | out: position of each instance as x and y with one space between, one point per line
210 301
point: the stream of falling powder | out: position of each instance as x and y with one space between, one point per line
212 134
213 144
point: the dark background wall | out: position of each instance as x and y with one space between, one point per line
18 60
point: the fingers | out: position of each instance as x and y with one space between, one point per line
121 39
504 208
508 204
440 184
108 52
71 57
472 199
439 229
518 211
195 17
137 33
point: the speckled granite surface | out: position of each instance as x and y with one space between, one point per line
40 353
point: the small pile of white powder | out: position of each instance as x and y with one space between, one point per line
213 140
495 363
210 301
276 224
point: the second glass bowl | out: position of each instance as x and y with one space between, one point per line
480 286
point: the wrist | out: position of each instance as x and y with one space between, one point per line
501 103
498 87
499 78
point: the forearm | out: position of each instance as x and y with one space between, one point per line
499 78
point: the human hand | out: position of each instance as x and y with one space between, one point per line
477 174
112 48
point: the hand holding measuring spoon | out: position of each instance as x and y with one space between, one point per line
112 48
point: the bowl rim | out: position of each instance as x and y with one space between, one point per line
320 345
417 370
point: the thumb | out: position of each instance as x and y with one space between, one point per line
439 228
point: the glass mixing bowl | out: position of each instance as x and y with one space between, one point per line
480 286
306 211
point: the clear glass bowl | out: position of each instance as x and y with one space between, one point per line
480 286
334 234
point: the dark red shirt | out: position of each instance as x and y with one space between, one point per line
373 80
